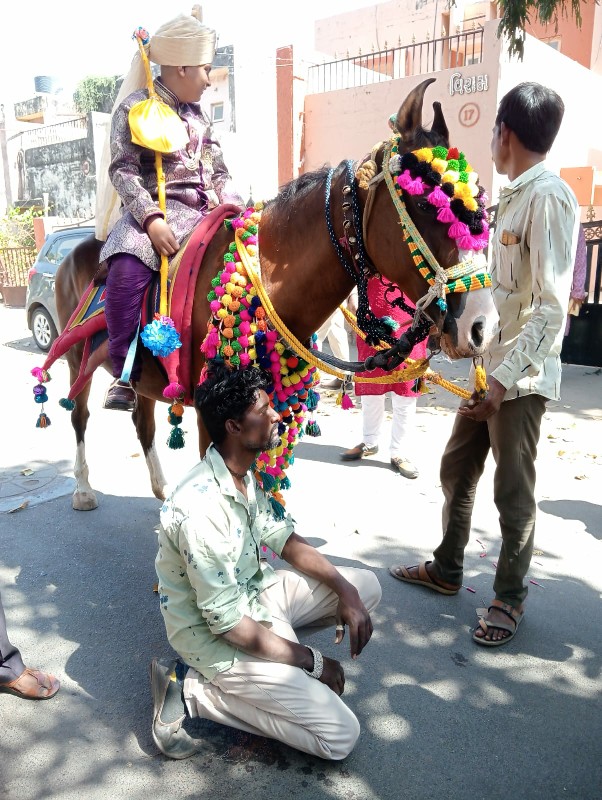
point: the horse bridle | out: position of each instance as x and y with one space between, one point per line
464 276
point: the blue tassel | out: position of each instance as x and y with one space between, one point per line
390 323
175 440
313 429
67 404
313 398
277 508
285 483
43 421
268 481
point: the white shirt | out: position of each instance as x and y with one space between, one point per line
533 253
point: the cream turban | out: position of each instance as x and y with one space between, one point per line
182 42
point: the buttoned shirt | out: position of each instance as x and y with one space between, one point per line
533 252
209 565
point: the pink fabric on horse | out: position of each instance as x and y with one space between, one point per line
378 304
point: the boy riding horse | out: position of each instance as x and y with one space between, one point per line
196 180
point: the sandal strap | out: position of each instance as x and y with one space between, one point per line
511 612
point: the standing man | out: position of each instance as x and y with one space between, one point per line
16 678
229 615
533 254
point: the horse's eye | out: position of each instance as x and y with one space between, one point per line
424 206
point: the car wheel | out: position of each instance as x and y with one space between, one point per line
43 329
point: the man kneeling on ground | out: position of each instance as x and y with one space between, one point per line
229 615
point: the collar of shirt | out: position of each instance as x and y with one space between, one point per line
225 481
523 179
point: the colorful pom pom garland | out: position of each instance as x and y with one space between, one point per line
239 332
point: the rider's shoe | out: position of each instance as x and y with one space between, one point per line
359 451
404 467
120 396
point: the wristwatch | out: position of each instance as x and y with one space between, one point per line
316 672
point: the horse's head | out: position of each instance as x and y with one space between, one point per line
434 192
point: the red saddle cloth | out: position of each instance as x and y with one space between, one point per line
88 322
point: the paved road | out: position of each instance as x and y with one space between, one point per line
440 717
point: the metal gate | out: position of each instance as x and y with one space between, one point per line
583 345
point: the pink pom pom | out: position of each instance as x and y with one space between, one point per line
236 257
274 356
245 359
237 223
446 215
252 239
281 396
215 306
224 277
244 317
38 374
458 229
468 243
220 291
230 267
346 402
438 198
280 461
243 341
404 179
271 336
173 391
245 326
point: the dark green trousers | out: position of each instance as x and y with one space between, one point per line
512 436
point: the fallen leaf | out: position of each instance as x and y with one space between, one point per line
135 455
156 588
23 505
27 471
580 477
561 452
538 553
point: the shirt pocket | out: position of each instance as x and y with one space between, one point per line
509 258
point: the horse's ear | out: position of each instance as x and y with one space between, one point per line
409 116
439 125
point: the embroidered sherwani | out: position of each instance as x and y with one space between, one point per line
196 179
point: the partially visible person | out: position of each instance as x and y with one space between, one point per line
533 253
335 332
196 181
229 615
373 396
578 291
15 677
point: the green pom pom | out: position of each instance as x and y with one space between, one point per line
453 164
235 360
463 177
67 404
215 282
228 258
175 440
440 152
211 296
174 419
236 332
236 346
232 249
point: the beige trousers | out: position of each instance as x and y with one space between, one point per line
277 700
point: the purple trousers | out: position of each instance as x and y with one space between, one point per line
127 280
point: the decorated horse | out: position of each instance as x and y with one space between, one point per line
412 212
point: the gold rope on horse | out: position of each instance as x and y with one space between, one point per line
416 369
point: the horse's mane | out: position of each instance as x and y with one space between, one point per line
295 190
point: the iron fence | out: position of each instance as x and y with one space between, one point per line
53 134
15 263
392 63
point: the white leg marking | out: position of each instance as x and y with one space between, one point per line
157 477
84 498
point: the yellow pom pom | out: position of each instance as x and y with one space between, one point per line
471 204
222 313
451 176
279 347
226 299
439 165
424 154
286 381
229 287
253 327
252 354
252 249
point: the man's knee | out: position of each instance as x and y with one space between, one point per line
344 731
369 588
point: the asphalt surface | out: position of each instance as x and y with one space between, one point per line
441 717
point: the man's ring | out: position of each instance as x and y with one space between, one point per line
340 628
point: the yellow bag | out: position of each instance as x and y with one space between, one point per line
157 127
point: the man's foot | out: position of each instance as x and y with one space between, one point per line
497 624
169 711
32 685
404 467
120 396
422 575
359 451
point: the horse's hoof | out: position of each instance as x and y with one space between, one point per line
84 501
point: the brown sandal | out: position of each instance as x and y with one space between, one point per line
515 618
423 579
47 685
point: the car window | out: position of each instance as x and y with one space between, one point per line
61 248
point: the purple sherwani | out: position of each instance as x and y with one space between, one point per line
196 180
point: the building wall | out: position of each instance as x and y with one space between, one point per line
574 42
66 170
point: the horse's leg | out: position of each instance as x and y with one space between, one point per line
144 420
84 498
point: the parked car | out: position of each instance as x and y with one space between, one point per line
40 305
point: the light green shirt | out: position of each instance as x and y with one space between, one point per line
208 564
533 254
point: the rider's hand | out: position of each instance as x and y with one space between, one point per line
333 675
161 235
352 613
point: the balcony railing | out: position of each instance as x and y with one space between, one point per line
420 58
52 134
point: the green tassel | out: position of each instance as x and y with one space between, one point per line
285 483
175 440
268 481
43 421
67 404
312 400
313 429
277 508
